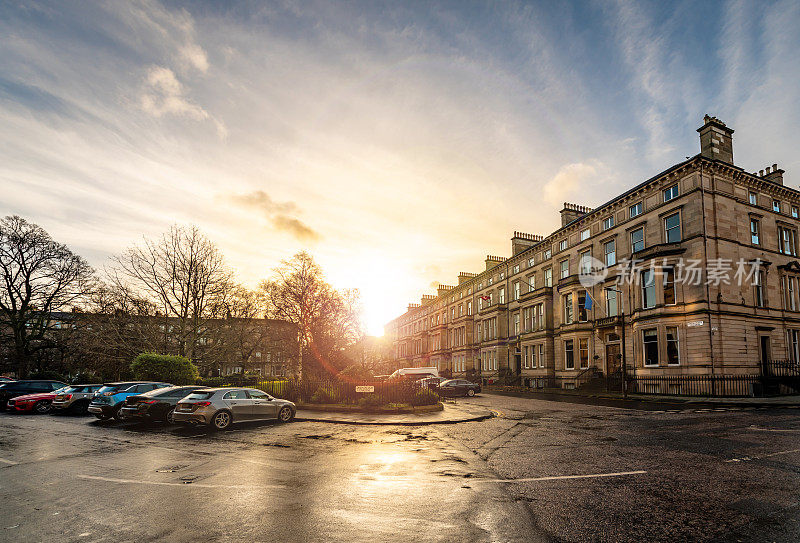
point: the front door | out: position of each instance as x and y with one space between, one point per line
262 405
765 354
613 359
518 363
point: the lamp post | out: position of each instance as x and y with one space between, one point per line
624 362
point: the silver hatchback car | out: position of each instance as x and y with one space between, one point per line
219 407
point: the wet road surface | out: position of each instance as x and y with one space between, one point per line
540 471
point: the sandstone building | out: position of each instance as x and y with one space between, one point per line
530 316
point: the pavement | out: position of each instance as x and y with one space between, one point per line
635 400
536 471
452 412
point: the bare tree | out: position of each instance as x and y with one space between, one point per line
39 277
184 274
326 319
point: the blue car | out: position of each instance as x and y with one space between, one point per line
107 402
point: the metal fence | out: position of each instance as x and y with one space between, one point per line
335 391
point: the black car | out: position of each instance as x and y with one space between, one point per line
13 389
458 387
155 405
107 402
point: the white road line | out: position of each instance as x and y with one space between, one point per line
760 456
759 429
170 483
559 477
9 462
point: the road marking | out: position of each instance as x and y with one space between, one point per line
759 457
169 483
559 477
758 428
9 462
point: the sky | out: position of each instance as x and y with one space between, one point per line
398 142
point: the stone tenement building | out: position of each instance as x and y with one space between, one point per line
528 314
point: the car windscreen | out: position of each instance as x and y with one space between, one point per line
71 390
199 395
113 388
447 383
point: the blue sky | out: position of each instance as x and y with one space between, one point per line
399 142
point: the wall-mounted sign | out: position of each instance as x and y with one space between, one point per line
691 324
365 388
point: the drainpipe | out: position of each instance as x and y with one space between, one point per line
708 288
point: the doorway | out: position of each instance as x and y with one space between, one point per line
613 357
764 343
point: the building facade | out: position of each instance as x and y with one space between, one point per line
692 272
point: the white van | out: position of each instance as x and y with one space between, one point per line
415 373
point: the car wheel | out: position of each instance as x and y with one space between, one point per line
285 414
79 408
101 416
221 420
117 415
169 416
470 392
41 407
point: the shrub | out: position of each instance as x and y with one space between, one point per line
161 367
371 400
84 378
324 395
424 396
355 372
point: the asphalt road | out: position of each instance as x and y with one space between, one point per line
540 471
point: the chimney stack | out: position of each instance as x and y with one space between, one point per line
492 261
463 277
522 241
773 174
572 212
716 140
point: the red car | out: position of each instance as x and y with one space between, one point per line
33 403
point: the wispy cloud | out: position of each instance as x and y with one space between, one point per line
279 214
163 94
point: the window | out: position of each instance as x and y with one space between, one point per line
541 355
583 352
776 206
530 262
635 210
586 262
568 316
608 223
540 317
469 308
460 310
791 293
610 250
516 268
531 283
611 303
585 234
670 193
583 314
530 356
787 241
794 212
501 295
564 269
527 315
569 355
502 275
648 289
753 198
548 277
650 342
562 245
490 281
758 284
637 240
547 254
673 353
794 345
672 228
754 232
516 290
516 324
669 286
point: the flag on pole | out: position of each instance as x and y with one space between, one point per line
589 301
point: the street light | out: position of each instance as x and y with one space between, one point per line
624 362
